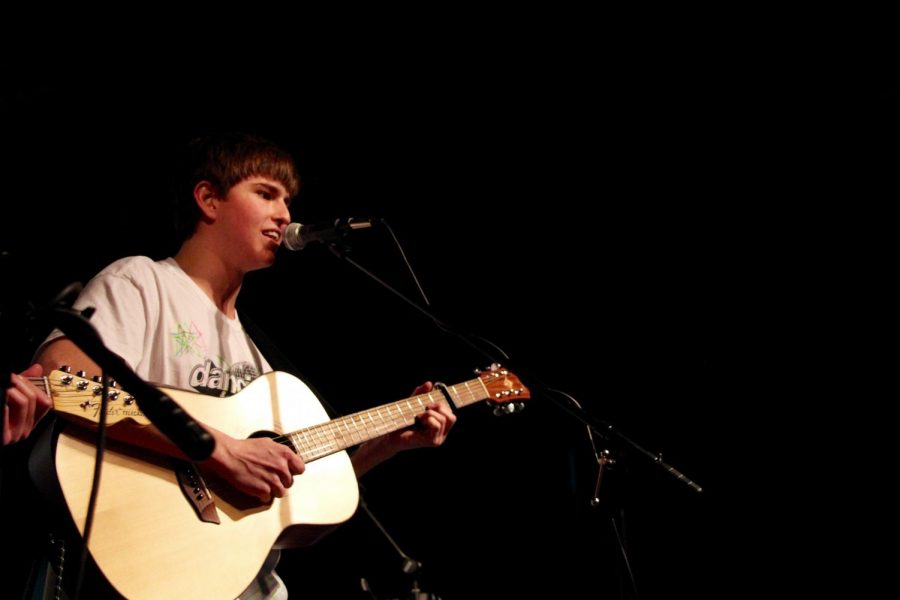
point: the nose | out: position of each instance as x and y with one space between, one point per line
282 213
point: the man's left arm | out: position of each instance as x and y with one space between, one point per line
430 430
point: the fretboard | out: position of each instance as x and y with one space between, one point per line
327 438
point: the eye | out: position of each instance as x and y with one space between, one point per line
265 194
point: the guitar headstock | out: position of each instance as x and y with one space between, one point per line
78 396
506 390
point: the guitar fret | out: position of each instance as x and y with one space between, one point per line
403 418
315 441
371 425
338 423
372 421
349 432
309 443
303 445
454 395
326 435
384 426
466 384
359 430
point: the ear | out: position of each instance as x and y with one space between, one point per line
207 199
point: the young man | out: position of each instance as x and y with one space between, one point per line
174 319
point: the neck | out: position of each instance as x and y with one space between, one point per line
219 280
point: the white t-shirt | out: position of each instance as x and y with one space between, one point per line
168 330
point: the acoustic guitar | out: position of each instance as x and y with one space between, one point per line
164 530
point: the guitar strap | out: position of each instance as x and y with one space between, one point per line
279 361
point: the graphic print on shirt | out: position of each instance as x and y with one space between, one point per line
212 380
213 376
189 340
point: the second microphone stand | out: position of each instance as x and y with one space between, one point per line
410 565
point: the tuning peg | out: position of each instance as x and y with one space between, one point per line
508 408
503 409
81 373
96 379
65 368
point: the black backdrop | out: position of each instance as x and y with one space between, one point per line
622 247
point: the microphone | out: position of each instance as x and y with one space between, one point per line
297 235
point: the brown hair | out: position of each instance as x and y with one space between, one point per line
224 160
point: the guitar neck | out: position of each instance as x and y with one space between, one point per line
80 397
350 430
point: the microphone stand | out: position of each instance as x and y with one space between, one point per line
560 399
556 397
410 565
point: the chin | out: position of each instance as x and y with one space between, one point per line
262 263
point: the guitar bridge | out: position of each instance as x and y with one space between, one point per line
194 489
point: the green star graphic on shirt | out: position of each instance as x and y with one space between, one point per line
186 340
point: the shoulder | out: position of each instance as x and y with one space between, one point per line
138 273
130 266
141 270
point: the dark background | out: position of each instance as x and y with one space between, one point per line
630 238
